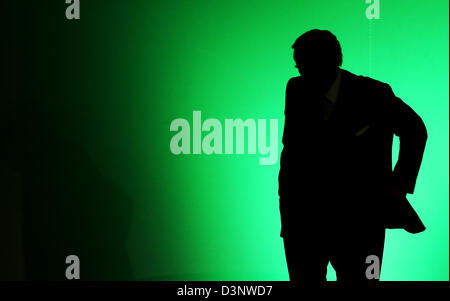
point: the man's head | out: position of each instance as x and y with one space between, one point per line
318 56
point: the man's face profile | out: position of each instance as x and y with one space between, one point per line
317 54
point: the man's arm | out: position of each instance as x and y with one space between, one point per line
284 164
282 176
411 130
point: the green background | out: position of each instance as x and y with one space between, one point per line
112 82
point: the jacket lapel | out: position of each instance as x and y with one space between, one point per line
342 110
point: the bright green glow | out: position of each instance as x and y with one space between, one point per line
216 217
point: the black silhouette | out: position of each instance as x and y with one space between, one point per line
337 190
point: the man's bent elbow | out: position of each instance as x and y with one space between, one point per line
422 132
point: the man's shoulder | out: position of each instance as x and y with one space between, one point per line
348 78
364 82
295 80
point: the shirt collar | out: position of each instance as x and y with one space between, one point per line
332 93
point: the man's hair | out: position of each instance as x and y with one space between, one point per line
319 44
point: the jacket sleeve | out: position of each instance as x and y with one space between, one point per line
411 130
282 176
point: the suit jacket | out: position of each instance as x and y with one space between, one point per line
338 173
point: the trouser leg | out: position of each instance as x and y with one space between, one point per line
358 255
307 262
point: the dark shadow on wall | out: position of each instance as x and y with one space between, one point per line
55 201
69 208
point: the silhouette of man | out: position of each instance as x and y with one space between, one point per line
338 192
